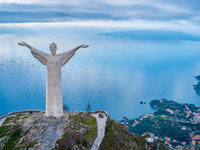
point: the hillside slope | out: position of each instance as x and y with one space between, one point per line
75 130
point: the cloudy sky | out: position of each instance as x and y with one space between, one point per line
124 13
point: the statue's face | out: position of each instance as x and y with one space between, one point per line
53 49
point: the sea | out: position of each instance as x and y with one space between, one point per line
113 74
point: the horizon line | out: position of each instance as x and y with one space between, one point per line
135 24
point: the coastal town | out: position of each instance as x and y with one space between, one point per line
176 125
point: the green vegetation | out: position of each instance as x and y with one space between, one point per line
90 121
19 116
161 127
169 104
31 144
190 147
26 116
10 131
15 118
68 139
178 110
80 131
168 121
8 120
90 134
14 137
4 131
73 137
118 137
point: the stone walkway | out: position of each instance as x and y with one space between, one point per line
101 123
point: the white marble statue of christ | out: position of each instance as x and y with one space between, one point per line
53 62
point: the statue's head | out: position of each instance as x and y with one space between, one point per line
53 48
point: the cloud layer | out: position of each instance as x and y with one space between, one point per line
182 12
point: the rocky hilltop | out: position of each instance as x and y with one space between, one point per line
75 131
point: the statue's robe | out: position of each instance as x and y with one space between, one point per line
54 102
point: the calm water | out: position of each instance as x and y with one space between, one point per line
113 74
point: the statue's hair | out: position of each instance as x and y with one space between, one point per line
52 44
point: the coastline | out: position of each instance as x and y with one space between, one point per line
176 124
197 87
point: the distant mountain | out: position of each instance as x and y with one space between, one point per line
160 35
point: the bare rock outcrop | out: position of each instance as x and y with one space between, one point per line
75 130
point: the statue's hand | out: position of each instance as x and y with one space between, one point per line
22 44
84 46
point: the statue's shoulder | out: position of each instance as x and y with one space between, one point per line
64 54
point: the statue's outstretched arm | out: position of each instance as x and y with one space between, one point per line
32 49
66 56
72 51
76 48
41 56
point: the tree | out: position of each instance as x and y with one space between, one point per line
88 107
65 107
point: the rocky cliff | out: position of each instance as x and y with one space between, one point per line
75 130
